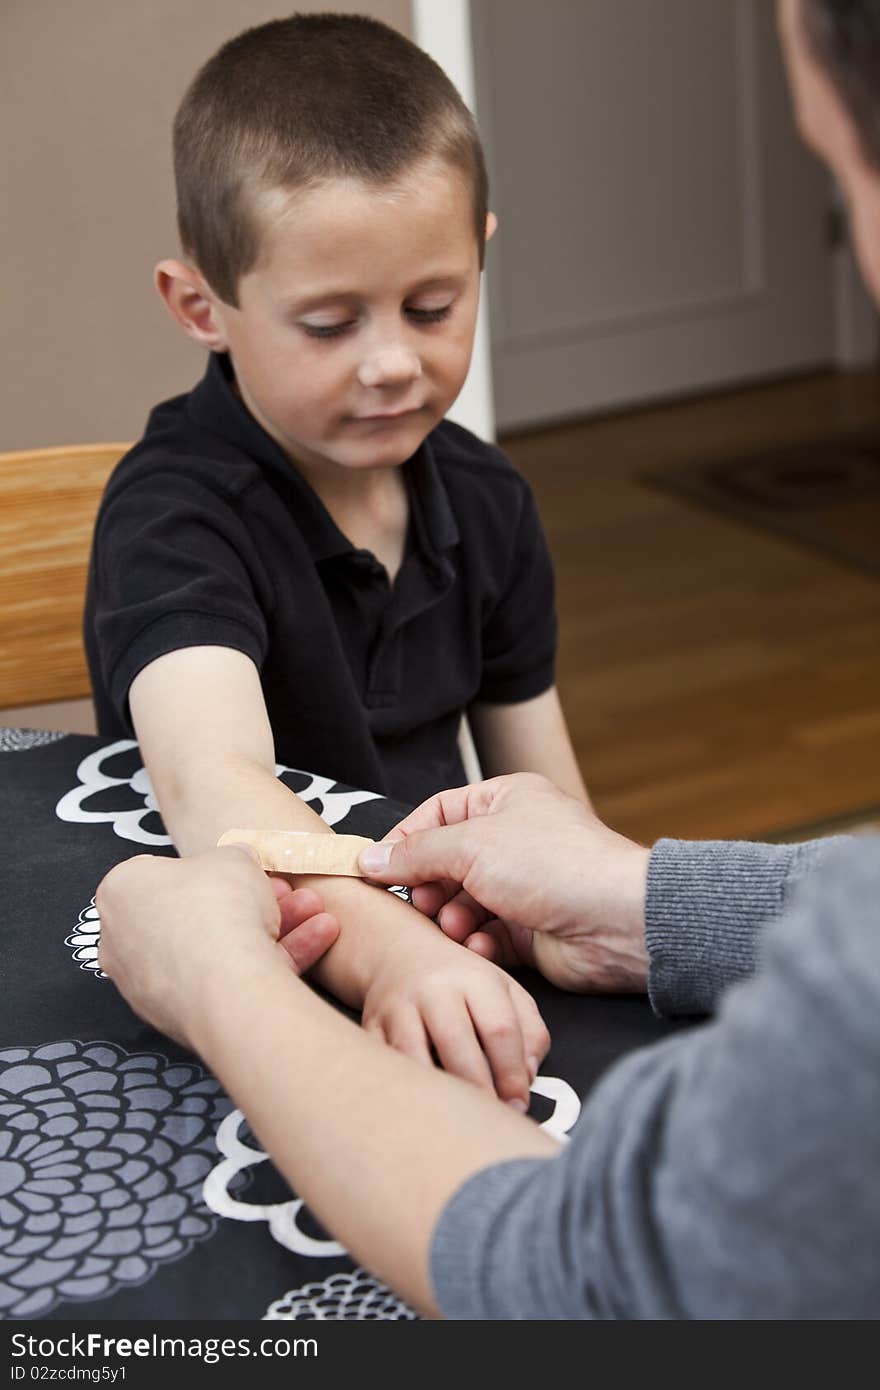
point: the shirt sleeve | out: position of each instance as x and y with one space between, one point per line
174 566
520 632
706 906
727 1172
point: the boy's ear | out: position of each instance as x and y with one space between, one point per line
191 303
491 224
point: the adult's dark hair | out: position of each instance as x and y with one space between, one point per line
300 100
844 38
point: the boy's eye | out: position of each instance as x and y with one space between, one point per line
336 330
430 315
326 330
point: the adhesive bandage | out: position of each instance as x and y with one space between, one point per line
300 851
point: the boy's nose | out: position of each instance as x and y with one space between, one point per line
390 366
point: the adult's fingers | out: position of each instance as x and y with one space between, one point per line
306 944
280 884
444 808
462 915
452 907
505 943
296 905
492 942
484 944
428 898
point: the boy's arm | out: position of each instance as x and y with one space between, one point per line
203 730
531 736
201 722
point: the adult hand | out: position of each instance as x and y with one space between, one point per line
525 874
172 928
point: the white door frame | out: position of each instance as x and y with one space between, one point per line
443 29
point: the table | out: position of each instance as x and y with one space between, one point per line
130 1186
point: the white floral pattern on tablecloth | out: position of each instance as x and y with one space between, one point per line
332 802
345 1297
85 939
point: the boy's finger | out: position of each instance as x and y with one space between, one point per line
451 1030
534 1031
406 1033
501 1034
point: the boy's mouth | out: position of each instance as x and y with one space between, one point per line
386 416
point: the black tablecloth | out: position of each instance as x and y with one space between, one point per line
130 1187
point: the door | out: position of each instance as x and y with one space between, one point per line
661 227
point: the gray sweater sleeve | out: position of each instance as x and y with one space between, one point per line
707 901
726 1172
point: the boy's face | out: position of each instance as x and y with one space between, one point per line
353 333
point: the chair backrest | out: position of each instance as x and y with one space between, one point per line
48 501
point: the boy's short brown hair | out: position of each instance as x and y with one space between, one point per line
299 100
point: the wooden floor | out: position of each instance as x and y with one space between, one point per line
718 680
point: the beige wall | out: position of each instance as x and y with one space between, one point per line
89 93
89 89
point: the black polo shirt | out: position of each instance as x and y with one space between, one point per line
208 536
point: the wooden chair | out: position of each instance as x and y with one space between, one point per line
48 501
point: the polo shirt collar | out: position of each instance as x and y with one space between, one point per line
216 407
433 519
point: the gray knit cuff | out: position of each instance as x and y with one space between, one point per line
705 905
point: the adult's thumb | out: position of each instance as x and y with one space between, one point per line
421 857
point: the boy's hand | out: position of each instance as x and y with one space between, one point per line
483 1026
423 994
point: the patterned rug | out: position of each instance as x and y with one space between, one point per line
823 495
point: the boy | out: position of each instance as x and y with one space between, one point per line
299 559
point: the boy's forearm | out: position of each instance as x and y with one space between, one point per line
199 803
212 766
199 806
